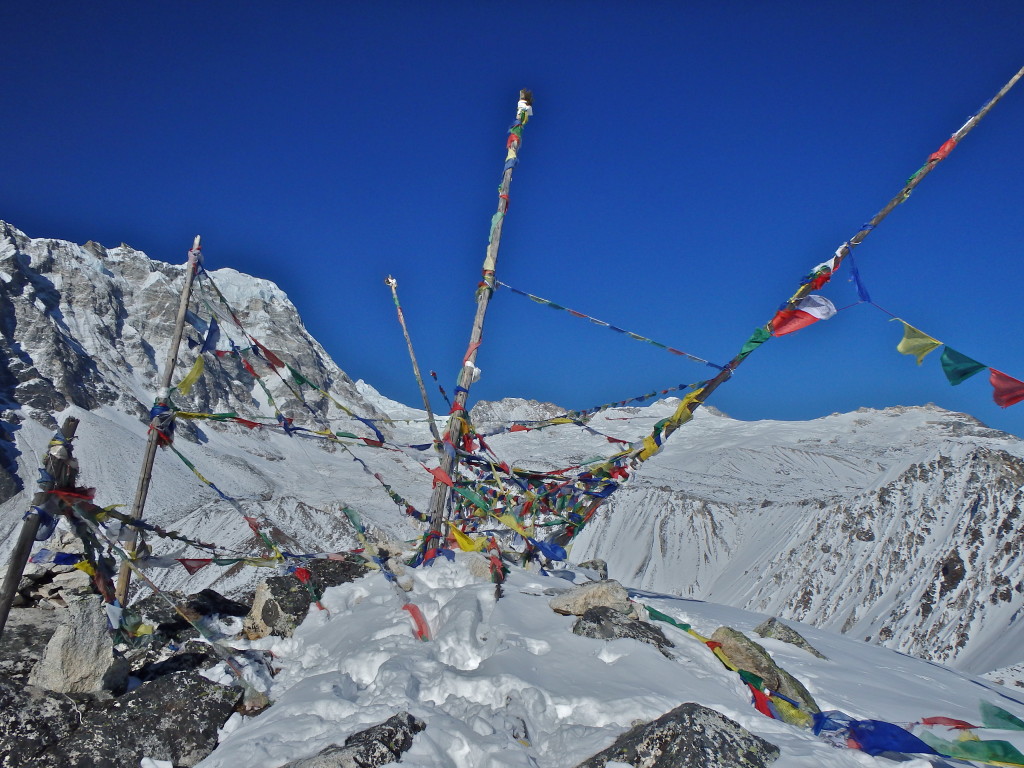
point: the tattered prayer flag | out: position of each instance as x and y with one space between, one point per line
957 367
297 377
185 385
649 449
807 311
1006 390
916 343
212 337
511 522
996 752
949 722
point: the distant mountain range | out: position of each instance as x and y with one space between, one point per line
898 526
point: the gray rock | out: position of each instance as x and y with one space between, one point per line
596 565
750 656
378 745
31 719
24 640
604 623
776 629
689 736
80 656
576 601
278 607
173 718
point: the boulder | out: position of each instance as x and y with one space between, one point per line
750 656
174 718
598 565
576 601
378 745
80 656
604 623
776 629
24 640
31 719
690 735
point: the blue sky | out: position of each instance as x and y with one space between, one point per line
687 164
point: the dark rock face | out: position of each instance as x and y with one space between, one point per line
24 640
31 720
175 718
776 629
692 736
376 746
606 623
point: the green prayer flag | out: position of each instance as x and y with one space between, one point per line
654 613
474 498
298 377
1002 752
997 717
759 337
958 367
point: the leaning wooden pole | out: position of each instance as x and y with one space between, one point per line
130 535
457 422
59 471
692 403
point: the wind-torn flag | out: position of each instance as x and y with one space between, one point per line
807 311
916 343
1006 390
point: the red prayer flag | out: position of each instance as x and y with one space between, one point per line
947 721
193 564
440 476
518 428
1006 390
943 152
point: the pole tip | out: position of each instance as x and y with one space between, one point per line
526 95
197 243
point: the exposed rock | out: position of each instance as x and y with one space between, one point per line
80 656
378 745
174 718
776 629
604 623
596 565
576 601
31 719
750 656
332 573
24 640
692 736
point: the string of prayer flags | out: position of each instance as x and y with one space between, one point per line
595 321
916 343
805 312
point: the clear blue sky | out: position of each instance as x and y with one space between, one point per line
686 165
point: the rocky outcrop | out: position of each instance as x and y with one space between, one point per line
579 599
31 720
80 657
604 623
690 735
376 746
774 628
750 656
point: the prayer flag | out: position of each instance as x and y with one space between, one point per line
1006 389
185 385
916 343
957 367
807 311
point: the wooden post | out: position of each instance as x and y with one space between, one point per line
468 374
391 283
62 470
129 536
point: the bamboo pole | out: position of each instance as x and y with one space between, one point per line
130 535
61 470
393 285
840 255
468 374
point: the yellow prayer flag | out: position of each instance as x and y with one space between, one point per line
85 565
512 523
916 343
466 544
649 449
683 413
192 376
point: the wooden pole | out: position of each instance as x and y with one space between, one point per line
393 285
841 253
61 471
468 374
130 535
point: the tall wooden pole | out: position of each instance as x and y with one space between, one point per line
60 472
841 253
130 535
468 374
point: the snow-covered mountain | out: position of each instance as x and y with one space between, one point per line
895 526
